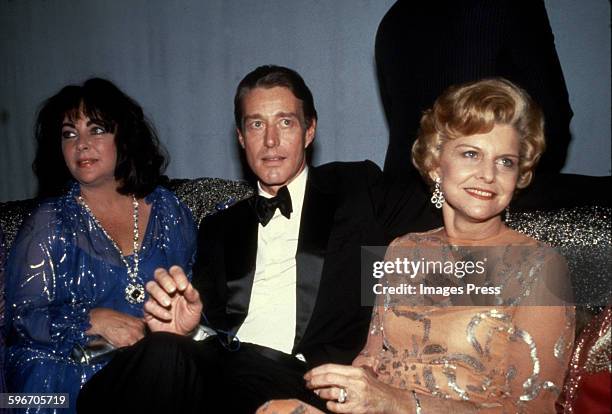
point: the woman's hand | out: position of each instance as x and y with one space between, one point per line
364 392
118 328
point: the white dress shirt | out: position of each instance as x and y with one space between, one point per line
271 319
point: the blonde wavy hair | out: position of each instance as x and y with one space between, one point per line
475 108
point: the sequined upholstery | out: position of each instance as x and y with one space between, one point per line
205 196
584 236
12 214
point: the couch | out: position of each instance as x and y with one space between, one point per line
583 233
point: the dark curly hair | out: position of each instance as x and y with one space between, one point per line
141 159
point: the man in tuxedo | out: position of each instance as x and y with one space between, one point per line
277 276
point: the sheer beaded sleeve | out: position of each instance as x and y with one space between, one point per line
42 304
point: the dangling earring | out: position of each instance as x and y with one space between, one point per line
438 197
507 215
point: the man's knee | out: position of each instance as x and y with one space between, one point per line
164 341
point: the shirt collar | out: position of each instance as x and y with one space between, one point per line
297 187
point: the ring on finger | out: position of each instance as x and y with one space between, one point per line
343 396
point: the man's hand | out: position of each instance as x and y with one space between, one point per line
173 305
118 328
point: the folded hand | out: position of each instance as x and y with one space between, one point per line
174 305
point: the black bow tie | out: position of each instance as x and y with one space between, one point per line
265 207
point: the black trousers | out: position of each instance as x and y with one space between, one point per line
169 373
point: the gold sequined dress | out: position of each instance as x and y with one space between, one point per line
507 356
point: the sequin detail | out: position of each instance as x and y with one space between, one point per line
62 266
592 355
491 356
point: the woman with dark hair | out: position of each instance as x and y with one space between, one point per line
140 158
77 270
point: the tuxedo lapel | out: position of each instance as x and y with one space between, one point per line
315 228
240 257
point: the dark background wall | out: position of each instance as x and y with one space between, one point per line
182 60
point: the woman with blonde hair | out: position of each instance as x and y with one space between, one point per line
501 342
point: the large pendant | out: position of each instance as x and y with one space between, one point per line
134 293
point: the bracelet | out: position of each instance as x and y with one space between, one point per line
417 403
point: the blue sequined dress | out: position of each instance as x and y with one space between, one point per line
62 266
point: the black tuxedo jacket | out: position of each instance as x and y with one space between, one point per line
346 206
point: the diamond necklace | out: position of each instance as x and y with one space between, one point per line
134 292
